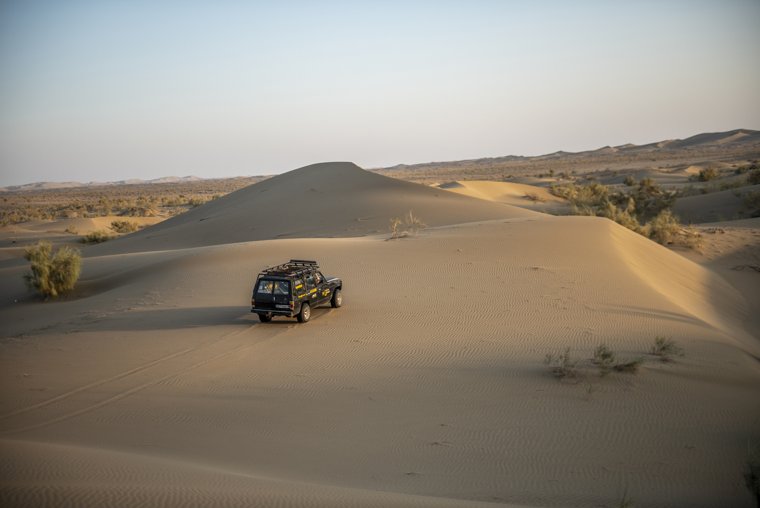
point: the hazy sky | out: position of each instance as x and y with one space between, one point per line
109 90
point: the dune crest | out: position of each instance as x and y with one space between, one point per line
331 199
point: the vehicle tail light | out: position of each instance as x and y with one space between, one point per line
292 305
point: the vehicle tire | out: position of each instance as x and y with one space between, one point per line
305 313
337 299
265 317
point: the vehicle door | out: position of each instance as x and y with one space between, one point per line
263 294
324 291
311 289
281 294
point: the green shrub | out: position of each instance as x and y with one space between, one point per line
666 229
124 226
52 273
96 237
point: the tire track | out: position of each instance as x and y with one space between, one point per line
126 374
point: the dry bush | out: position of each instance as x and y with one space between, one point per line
96 237
71 230
124 226
630 366
666 230
604 359
532 196
52 273
562 365
410 224
707 174
629 181
665 348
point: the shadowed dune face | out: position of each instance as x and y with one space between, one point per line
336 199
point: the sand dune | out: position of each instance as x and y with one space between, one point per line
321 200
155 386
713 207
520 195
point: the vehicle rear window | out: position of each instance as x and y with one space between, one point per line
277 287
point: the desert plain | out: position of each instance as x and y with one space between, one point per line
152 384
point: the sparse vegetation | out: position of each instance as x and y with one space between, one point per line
665 348
754 177
52 273
629 181
71 230
666 229
410 224
562 365
96 237
127 200
124 226
644 209
604 359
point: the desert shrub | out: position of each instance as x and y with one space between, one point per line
707 174
52 273
562 365
665 348
96 237
410 224
754 177
71 230
630 366
666 230
651 199
532 196
604 359
752 474
124 226
629 181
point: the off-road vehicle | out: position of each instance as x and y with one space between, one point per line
293 289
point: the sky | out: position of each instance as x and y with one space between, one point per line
110 90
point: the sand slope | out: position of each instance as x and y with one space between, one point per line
520 195
328 199
713 207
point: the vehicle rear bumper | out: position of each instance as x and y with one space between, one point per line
276 312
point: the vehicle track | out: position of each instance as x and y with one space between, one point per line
126 375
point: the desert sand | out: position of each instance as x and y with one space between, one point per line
153 384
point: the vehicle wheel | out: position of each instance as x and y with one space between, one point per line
265 317
305 313
337 299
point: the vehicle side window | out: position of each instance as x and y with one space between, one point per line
310 280
281 287
265 286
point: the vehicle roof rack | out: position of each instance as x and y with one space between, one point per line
294 267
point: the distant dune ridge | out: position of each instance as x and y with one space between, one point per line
334 199
153 385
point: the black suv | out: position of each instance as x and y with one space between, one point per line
293 289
